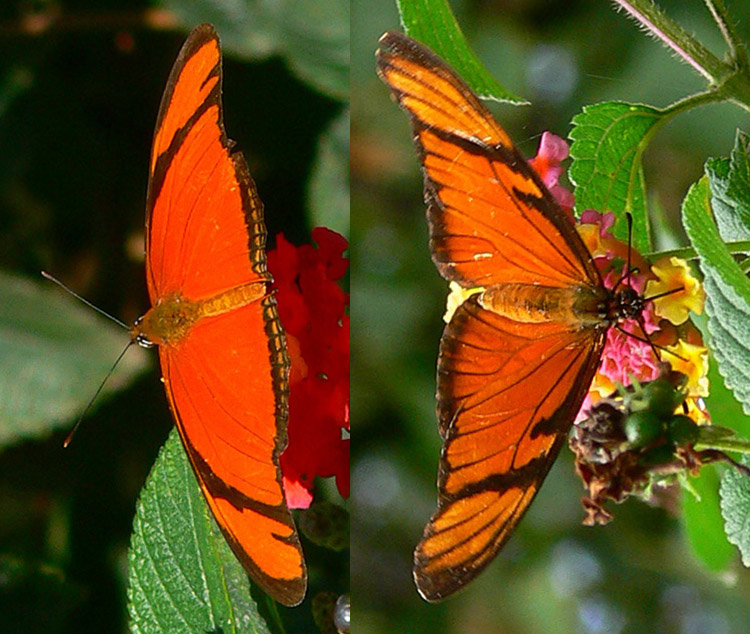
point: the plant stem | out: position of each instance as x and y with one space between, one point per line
698 99
727 81
738 446
737 50
651 18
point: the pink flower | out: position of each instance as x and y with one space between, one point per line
548 164
626 354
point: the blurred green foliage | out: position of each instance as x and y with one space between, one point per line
637 574
80 85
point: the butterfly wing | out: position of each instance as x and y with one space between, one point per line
507 395
507 391
491 218
227 379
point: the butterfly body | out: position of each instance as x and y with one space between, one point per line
517 358
172 317
578 306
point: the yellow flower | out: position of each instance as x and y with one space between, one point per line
457 296
693 362
674 273
697 410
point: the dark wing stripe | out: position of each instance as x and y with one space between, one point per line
163 162
511 159
391 66
516 487
530 429
215 485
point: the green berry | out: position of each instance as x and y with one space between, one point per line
642 428
682 430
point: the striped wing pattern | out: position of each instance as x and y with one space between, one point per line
507 390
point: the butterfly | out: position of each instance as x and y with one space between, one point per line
221 345
517 358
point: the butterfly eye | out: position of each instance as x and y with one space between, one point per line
143 341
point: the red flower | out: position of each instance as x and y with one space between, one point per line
313 310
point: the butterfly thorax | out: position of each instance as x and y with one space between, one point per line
170 319
581 305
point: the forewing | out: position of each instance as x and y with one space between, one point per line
491 218
226 383
507 396
204 220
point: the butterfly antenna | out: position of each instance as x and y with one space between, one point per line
628 272
654 346
664 294
51 278
69 437
629 218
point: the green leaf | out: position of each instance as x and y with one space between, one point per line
735 507
725 411
311 35
183 575
608 142
727 293
432 22
730 190
55 353
703 522
329 183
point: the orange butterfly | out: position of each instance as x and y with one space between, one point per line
221 345
516 360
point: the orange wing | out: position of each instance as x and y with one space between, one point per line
507 395
508 391
227 378
491 218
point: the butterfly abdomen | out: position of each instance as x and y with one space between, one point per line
530 303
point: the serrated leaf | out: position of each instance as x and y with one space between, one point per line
183 576
703 522
55 352
311 35
735 507
608 142
432 22
727 293
730 191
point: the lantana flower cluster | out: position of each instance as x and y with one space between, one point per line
620 449
627 353
314 312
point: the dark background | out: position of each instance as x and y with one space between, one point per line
637 574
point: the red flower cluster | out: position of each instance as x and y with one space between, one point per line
313 310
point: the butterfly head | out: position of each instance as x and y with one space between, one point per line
138 336
626 304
